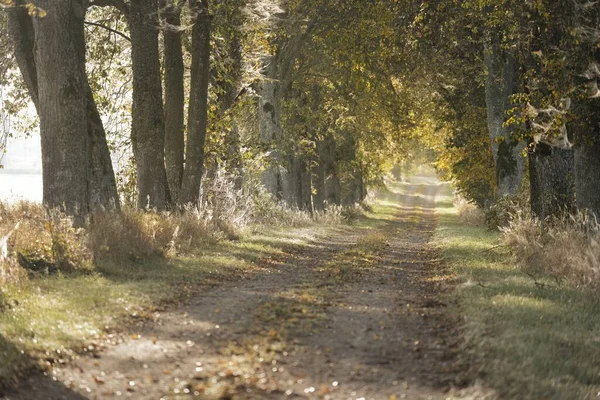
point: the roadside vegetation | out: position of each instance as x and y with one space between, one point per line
67 290
529 330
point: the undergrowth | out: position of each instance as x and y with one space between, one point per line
566 247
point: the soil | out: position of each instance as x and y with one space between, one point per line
289 332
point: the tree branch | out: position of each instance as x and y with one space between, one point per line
124 36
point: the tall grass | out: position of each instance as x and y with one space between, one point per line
224 212
565 247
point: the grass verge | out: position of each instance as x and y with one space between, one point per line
525 338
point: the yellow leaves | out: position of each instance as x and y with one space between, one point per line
31 8
35 11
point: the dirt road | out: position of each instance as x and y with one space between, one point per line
355 314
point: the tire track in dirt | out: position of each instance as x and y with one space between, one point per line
290 333
386 342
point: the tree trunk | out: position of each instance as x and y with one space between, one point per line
501 83
269 118
320 195
20 29
587 164
102 185
305 195
62 104
230 87
291 180
148 128
332 181
174 101
551 175
333 187
198 107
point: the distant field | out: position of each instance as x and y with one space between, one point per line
20 185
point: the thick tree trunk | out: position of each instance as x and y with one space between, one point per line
551 175
269 118
352 191
198 107
102 185
62 104
102 182
148 128
174 101
587 167
501 83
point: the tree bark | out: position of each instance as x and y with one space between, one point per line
320 195
552 184
62 104
230 91
174 101
20 28
501 83
305 195
198 107
269 118
587 163
102 184
148 128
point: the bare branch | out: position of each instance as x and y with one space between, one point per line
116 32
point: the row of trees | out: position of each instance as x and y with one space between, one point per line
530 70
323 96
305 87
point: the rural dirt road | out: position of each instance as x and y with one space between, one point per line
354 315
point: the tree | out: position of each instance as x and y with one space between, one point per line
174 97
198 106
148 127
70 126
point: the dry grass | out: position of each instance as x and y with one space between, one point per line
41 236
565 247
225 211
469 212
